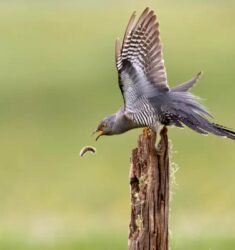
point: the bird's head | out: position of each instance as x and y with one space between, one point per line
105 127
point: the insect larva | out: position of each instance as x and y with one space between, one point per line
87 149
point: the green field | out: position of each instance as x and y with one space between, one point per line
58 80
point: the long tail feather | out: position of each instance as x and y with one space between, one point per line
187 109
224 131
183 87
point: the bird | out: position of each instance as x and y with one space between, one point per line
149 101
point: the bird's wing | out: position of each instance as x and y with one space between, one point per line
139 59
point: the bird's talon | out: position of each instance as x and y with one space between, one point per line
146 132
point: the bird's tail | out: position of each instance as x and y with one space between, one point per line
229 133
187 110
183 87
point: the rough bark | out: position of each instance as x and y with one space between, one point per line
149 181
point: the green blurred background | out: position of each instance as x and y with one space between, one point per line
58 79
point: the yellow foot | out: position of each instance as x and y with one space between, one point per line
146 132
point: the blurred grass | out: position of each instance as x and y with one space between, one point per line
58 80
106 243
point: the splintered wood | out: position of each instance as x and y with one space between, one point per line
149 181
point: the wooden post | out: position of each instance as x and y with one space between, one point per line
149 181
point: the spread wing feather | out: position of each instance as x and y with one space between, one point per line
139 59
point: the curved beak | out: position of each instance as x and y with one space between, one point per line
100 133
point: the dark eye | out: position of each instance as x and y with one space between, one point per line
104 125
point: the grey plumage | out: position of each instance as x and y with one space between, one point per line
187 85
148 99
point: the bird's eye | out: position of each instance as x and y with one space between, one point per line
104 125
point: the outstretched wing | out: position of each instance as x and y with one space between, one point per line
139 60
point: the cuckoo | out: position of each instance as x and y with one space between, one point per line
148 100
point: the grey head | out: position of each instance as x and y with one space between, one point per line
114 124
105 127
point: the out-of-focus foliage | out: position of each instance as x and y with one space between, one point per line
58 79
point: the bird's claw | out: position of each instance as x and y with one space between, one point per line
146 132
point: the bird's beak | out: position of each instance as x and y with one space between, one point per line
100 133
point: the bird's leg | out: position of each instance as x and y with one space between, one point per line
159 146
146 131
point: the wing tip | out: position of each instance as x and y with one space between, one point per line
130 25
133 15
118 47
146 9
199 74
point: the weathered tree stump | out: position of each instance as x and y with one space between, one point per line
149 181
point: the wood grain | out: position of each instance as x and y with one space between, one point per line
149 182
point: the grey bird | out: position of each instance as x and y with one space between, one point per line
148 100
